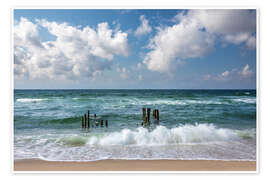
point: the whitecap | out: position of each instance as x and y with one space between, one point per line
30 100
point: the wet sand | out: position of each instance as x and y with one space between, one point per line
135 165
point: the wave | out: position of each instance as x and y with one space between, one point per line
199 141
246 100
73 141
199 133
171 102
30 100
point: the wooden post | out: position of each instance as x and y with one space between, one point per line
88 119
144 116
157 119
148 116
106 123
101 123
95 122
85 120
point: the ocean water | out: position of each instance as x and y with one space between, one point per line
194 124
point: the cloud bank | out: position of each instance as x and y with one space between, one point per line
194 35
76 53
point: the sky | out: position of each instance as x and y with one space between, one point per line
134 49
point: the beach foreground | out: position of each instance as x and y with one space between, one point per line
135 165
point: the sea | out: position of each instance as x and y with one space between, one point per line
193 124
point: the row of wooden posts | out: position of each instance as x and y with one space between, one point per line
146 118
86 121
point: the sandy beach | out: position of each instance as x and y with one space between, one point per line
135 165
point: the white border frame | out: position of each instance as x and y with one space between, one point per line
12 8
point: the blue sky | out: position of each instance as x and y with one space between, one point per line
182 49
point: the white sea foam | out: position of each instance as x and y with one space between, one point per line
30 100
246 100
201 141
172 102
200 133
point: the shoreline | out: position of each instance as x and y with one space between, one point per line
134 165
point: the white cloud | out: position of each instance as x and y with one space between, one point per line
180 41
76 53
225 21
26 33
246 72
233 25
251 42
227 75
195 34
144 28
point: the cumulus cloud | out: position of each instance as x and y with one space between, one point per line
195 33
251 42
180 41
76 53
224 21
246 72
26 33
227 75
144 28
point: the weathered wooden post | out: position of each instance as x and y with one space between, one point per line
95 122
157 117
144 116
88 118
154 115
106 123
148 116
101 123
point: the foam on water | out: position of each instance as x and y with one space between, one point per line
30 100
200 133
182 142
246 100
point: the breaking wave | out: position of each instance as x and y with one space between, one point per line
30 100
200 133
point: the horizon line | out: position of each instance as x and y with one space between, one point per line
134 89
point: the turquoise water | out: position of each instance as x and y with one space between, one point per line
194 124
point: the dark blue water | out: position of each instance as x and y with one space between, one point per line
194 124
